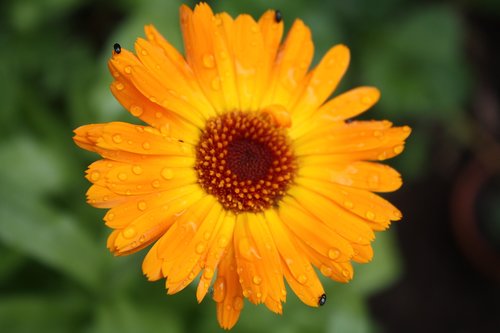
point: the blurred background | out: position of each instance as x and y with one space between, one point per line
438 270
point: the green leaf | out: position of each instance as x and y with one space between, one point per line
56 239
40 313
124 316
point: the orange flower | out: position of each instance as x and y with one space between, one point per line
244 174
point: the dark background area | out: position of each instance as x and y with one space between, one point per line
438 270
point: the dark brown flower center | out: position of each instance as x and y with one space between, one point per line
245 161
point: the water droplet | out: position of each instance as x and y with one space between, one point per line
110 216
398 149
370 215
257 280
117 138
208 273
155 183
142 239
128 69
136 110
167 173
238 303
246 293
373 180
302 279
95 175
146 145
223 241
129 232
246 250
283 292
349 204
346 273
141 205
382 156
207 235
219 290
137 169
208 61
216 84
144 52
153 99
200 248
325 270
119 86
122 176
367 100
333 253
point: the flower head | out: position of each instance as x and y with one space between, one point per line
245 175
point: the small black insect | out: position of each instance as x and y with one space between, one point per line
322 300
277 16
117 48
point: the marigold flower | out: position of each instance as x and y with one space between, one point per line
244 174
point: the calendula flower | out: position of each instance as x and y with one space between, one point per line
245 175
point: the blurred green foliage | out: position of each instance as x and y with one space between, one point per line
55 272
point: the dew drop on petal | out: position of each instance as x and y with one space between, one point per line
370 215
146 145
219 290
238 303
325 270
141 205
257 280
207 235
216 84
95 175
200 248
128 69
398 149
302 279
129 232
222 242
122 176
155 183
136 110
333 253
117 138
208 61
110 216
167 173
349 204
137 169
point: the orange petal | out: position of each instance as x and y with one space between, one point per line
124 214
172 243
375 211
126 142
348 225
168 73
102 197
349 104
258 261
322 82
142 177
151 265
304 281
357 174
291 65
223 236
227 291
369 140
319 237
191 255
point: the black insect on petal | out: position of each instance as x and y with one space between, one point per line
322 300
117 48
277 16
